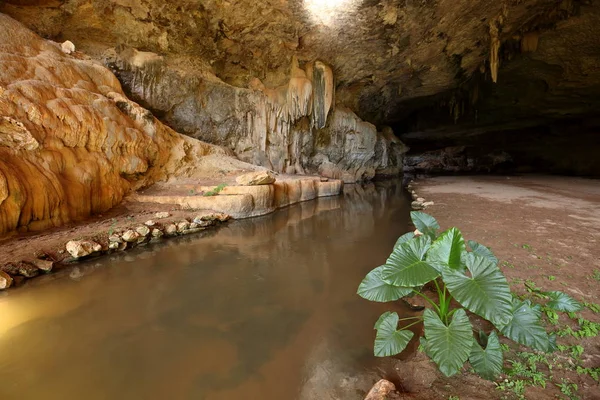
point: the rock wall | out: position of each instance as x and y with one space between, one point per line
293 128
71 143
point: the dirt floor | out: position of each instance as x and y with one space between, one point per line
546 232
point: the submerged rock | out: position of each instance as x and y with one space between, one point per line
256 178
82 248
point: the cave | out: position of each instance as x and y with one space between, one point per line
258 136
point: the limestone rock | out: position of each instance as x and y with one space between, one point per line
201 222
44 265
163 214
416 205
67 47
182 226
221 217
130 236
113 245
150 223
171 230
82 248
380 390
5 280
256 178
115 238
143 230
157 233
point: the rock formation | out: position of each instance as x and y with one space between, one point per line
71 143
293 128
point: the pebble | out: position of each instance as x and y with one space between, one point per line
150 223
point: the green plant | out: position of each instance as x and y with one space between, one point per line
463 281
216 190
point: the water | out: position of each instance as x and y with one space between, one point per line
258 309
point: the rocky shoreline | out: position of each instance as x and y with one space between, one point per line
143 219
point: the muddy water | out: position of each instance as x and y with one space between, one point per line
259 309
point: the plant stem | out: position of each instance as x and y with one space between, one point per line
435 306
409 325
407 318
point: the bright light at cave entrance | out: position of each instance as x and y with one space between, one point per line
326 11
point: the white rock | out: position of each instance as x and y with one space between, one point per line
82 248
130 236
163 214
115 238
67 47
113 245
182 226
171 230
428 203
143 230
157 233
420 200
150 223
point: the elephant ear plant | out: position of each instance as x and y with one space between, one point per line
465 281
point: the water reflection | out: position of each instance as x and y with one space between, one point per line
259 309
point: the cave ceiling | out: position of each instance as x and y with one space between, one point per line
395 62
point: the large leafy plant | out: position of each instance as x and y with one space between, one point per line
465 282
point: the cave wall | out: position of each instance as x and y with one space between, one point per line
294 128
71 142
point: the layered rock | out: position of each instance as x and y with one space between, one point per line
71 143
293 128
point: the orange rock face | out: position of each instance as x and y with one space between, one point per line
71 143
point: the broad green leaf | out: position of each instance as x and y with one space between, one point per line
560 301
374 288
390 341
405 266
485 293
404 238
381 318
447 251
525 327
487 363
425 223
448 346
483 251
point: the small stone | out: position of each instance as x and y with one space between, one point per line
113 245
414 196
150 223
380 390
193 225
171 230
82 248
163 214
420 199
199 222
256 178
143 230
6 280
157 233
428 203
27 270
130 236
115 238
67 47
44 265
182 226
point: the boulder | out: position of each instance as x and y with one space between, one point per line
82 248
256 178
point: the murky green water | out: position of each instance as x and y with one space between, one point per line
259 309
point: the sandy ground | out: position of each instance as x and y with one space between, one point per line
544 229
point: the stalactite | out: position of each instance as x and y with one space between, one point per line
494 49
323 92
